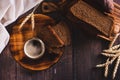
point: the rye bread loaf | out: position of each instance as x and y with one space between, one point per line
82 11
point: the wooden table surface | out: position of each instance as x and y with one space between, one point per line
77 63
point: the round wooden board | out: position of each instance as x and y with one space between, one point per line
19 37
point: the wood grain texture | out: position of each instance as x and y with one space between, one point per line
77 63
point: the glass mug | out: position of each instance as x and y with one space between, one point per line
34 48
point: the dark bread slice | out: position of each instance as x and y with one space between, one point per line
54 35
82 11
63 32
49 36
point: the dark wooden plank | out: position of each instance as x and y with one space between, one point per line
7 66
22 73
49 74
86 54
40 75
63 69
